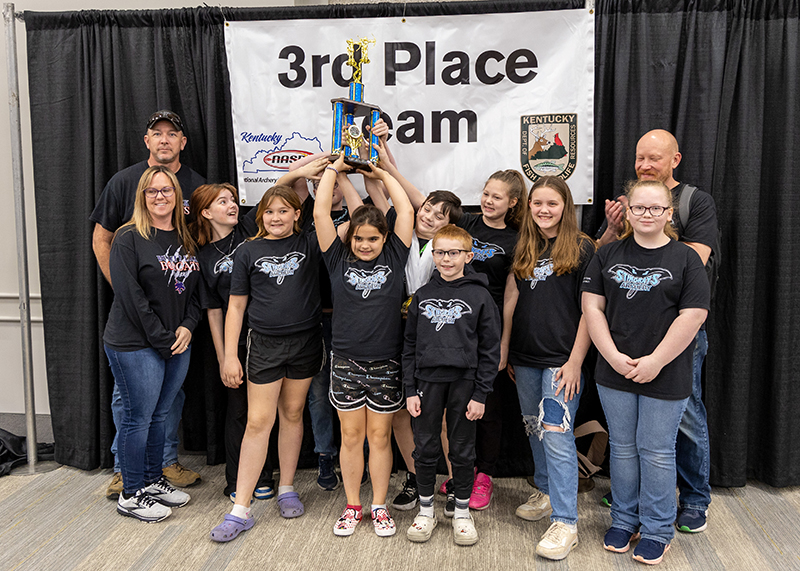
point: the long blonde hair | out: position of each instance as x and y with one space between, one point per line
669 229
141 219
532 242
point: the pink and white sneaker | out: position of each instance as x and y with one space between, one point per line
443 487
346 525
383 522
481 492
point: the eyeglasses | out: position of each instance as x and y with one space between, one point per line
450 253
654 211
166 192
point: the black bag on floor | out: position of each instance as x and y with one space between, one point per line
14 451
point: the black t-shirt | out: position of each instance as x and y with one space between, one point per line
548 312
494 252
367 297
339 217
155 291
645 289
216 265
282 279
115 205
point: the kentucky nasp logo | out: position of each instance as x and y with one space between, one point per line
549 145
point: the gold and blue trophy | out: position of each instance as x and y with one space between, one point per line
347 135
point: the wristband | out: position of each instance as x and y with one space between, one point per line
332 168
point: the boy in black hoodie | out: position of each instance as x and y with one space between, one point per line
450 360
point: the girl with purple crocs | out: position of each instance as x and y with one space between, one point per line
644 299
276 281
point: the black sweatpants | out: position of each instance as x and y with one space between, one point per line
427 427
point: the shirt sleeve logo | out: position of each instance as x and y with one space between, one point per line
280 266
179 267
483 251
543 269
635 279
366 281
443 312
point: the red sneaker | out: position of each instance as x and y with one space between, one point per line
481 492
443 487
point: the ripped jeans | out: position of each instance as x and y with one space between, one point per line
554 454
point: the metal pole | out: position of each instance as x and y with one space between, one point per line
22 238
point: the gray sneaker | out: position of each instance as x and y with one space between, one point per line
143 507
166 494
537 507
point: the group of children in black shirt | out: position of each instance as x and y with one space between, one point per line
522 258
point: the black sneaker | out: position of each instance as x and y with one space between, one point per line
407 498
327 479
143 507
450 505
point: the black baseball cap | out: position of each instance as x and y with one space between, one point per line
165 115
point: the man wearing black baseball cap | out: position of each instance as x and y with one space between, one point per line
165 140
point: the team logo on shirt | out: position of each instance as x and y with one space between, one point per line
366 281
635 279
483 251
543 269
280 266
179 267
225 264
443 312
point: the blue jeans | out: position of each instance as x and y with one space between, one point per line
642 432
319 406
693 456
554 454
170 428
148 386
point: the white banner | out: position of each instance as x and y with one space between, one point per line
466 95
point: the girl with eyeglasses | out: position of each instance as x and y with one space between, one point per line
148 336
545 341
644 299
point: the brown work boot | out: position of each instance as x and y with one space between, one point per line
180 476
115 487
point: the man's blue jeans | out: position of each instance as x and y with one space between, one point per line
319 406
642 432
554 454
148 386
693 457
170 428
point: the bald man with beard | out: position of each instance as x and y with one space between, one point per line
657 157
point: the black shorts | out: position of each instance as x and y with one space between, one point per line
271 358
374 384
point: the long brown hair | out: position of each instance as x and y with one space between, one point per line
669 229
532 242
141 219
288 196
515 187
203 197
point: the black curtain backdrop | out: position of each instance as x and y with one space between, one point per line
721 75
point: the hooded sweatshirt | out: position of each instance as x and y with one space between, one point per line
453 334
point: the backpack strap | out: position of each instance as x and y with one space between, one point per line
683 204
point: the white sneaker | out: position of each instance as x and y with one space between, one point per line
165 493
464 532
537 507
558 541
142 506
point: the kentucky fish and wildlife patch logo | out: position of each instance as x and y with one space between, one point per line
549 145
